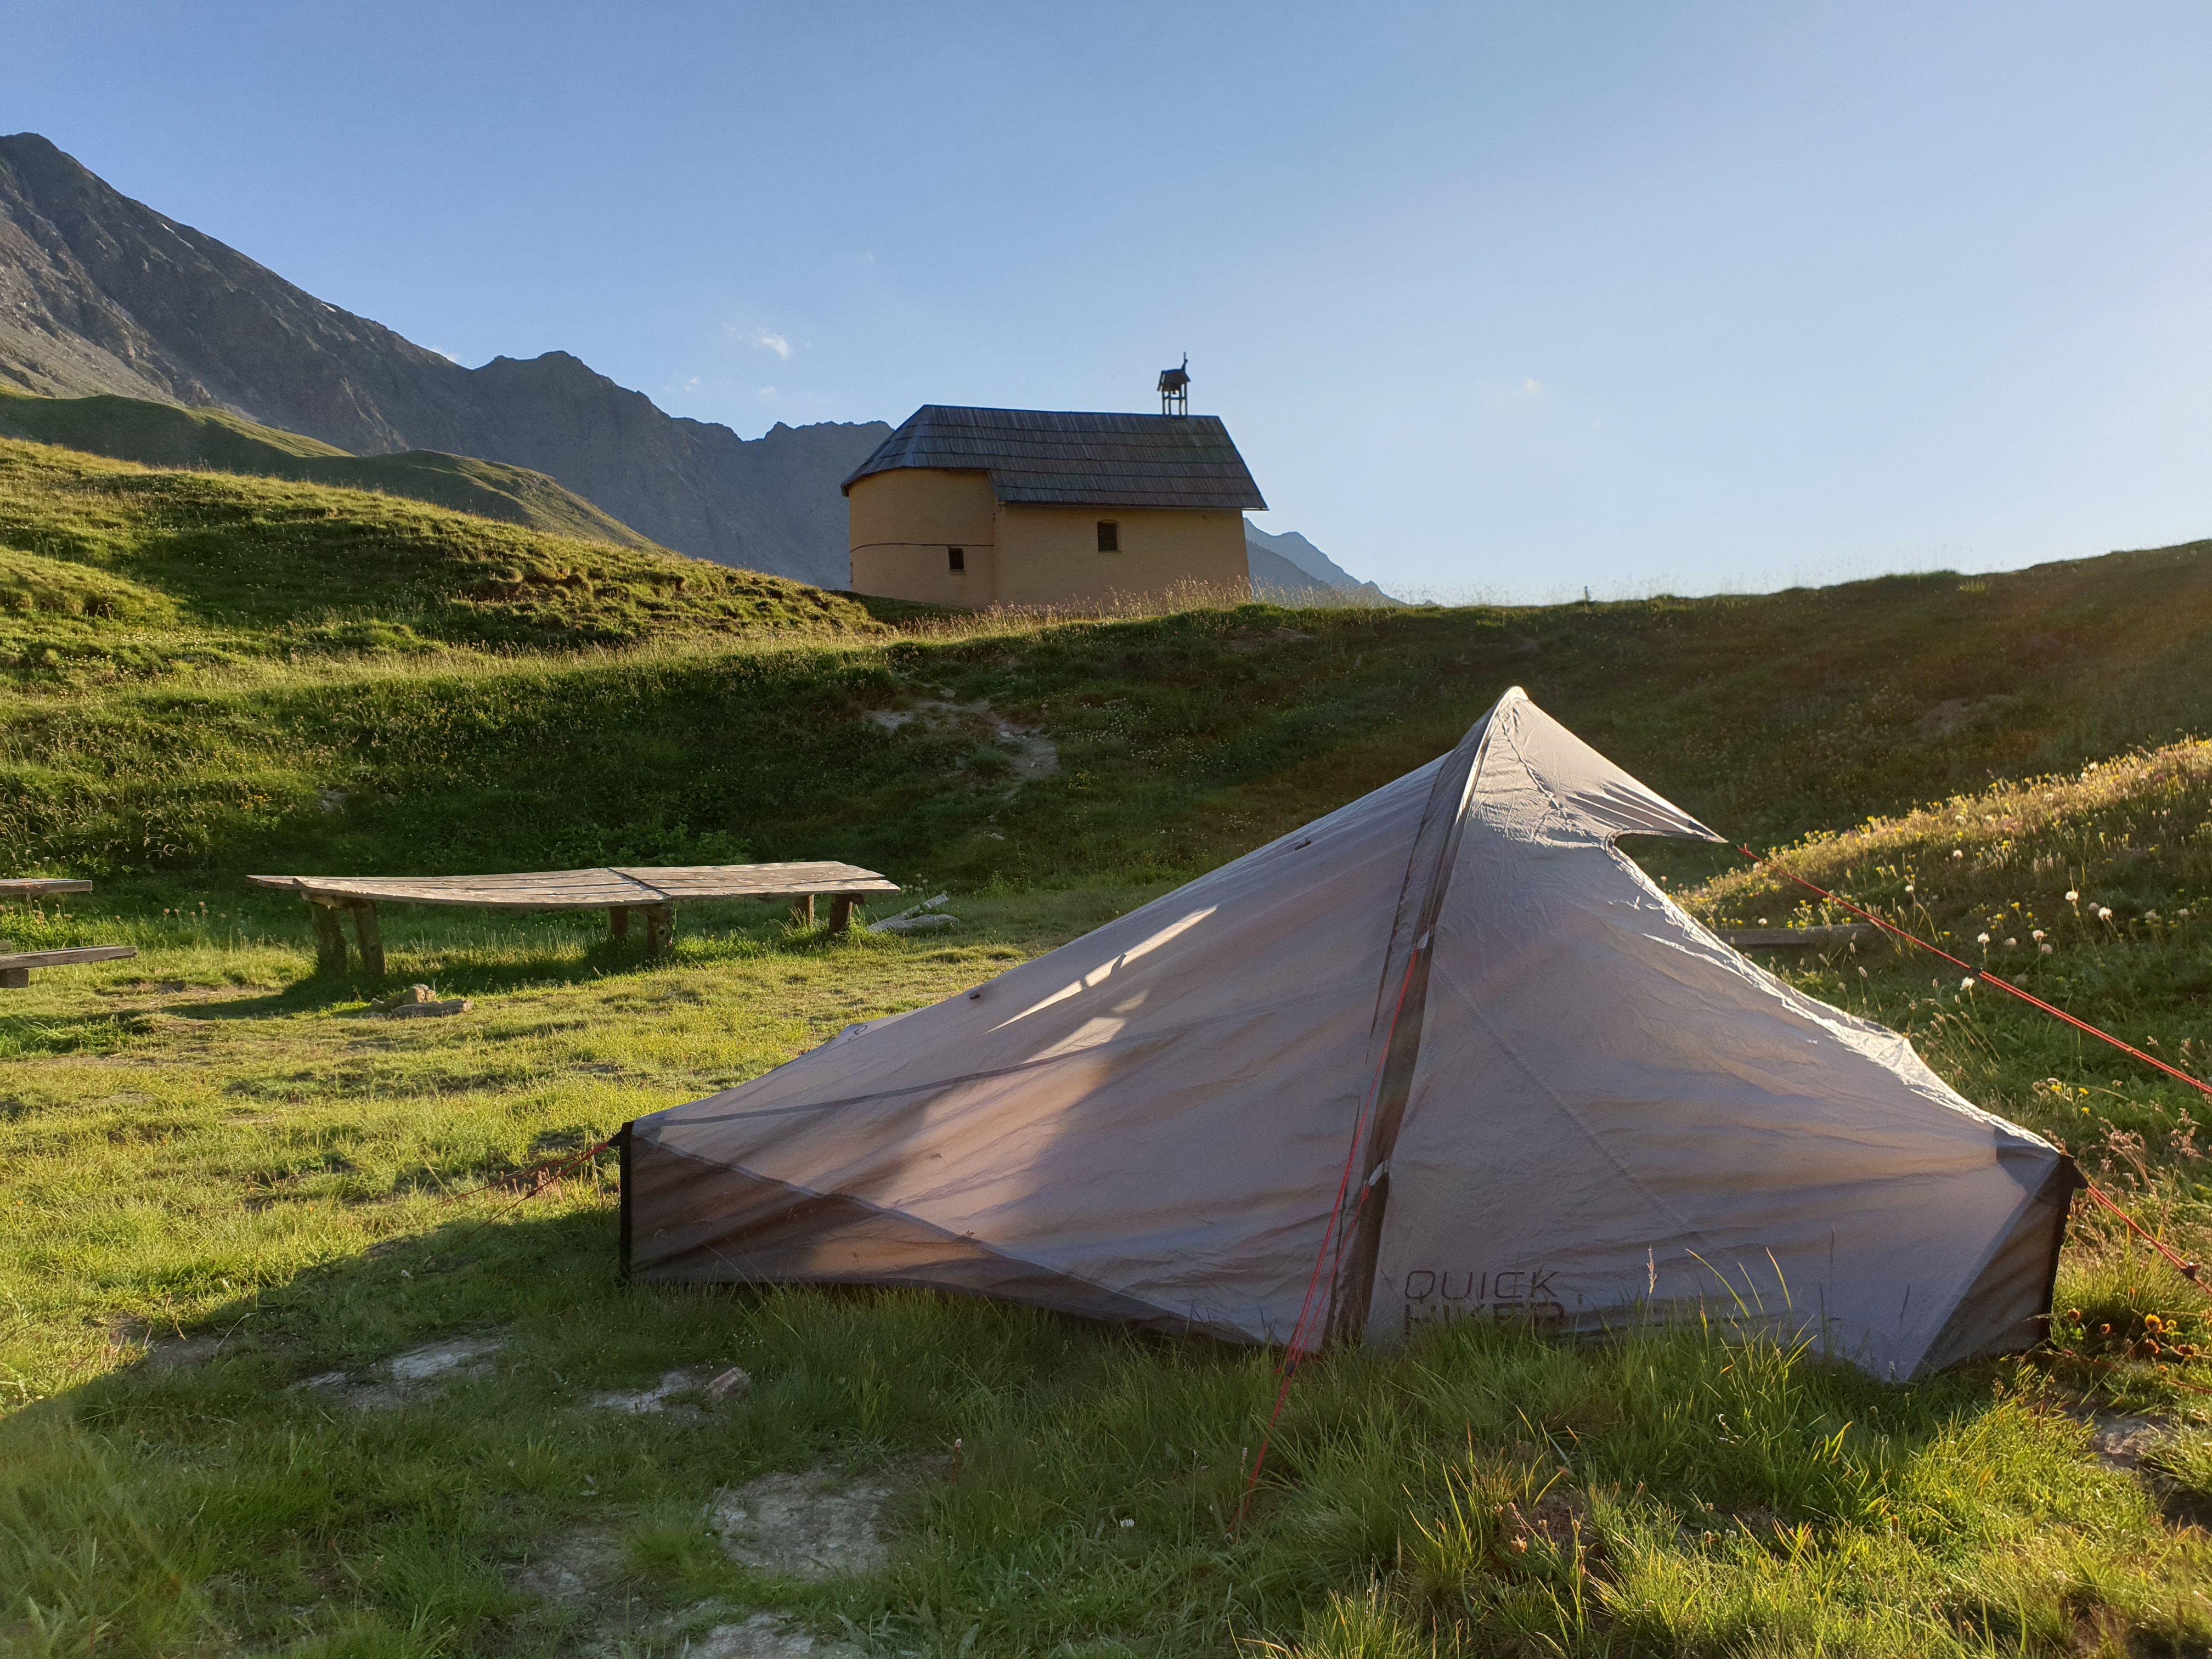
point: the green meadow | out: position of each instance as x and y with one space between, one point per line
235 1192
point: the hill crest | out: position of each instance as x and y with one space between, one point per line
100 293
165 435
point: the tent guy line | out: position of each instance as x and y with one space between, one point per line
2191 1271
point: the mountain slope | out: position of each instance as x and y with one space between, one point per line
100 293
1274 577
163 434
1318 569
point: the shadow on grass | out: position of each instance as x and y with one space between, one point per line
456 970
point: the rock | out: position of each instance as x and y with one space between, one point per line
572 1568
763 1636
2120 1441
937 923
420 1002
815 1525
411 1376
430 1010
657 1400
459 1354
729 1385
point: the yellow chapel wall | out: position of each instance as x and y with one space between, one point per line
1049 555
903 521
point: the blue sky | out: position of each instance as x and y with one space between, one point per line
1496 299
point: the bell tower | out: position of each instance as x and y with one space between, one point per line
1175 388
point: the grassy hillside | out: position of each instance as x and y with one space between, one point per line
1182 739
162 434
113 572
240 1196
236 1195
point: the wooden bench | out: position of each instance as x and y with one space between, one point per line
654 891
15 966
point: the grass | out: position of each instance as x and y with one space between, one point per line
113 573
213 1142
162 434
227 1178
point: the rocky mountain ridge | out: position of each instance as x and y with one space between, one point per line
1288 564
100 293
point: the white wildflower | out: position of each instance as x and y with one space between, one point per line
2012 944
1863 973
1982 939
2037 936
1967 983
2045 948
2104 913
1958 853
2073 897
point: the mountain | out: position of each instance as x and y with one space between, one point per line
100 295
163 434
1290 563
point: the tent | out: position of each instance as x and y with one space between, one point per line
1445 1052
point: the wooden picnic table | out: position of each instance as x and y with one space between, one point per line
22 889
15 966
652 890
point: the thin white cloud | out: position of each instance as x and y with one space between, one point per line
768 392
766 338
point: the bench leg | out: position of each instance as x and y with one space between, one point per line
840 914
330 938
618 923
14 979
370 935
659 929
802 911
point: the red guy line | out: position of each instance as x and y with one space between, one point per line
2188 1270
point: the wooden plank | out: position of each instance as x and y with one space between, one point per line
30 959
757 880
37 887
369 934
1799 939
591 890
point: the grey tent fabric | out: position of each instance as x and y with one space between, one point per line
1543 1090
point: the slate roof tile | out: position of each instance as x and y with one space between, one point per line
1036 455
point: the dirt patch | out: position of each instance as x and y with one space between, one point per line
1031 754
183 1354
171 1351
572 1568
815 1525
1947 719
2120 1441
764 1636
418 1374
